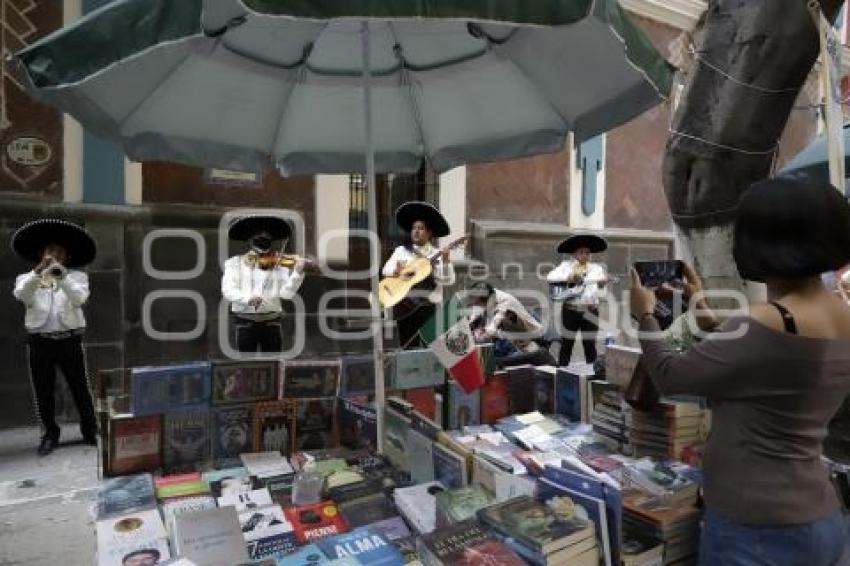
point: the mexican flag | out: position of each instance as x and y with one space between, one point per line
449 337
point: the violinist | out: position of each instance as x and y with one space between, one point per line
255 282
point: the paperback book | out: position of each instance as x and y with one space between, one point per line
186 441
134 444
243 382
274 426
232 434
164 389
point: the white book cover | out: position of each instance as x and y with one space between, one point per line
175 507
266 464
262 522
133 533
531 435
211 537
246 499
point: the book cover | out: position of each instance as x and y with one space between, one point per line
620 364
227 485
317 521
418 505
211 537
309 379
449 467
274 426
308 555
392 529
163 389
185 441
570 391
210 476
269 464
422 399
267 532
172 508
364 544
425 426
407 547
522 390
544 389
134 444
460 504
180 485
125 494
420 451
367 510
134 534
315 424
396 427
464 408
232 433
412 369
535 524
243 382
244 500
350 491
357 375
358 425
466 543
495 398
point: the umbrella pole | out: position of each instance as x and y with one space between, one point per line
377 329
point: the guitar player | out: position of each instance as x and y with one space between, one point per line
423 223
582 282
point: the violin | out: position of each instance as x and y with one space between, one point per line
272 260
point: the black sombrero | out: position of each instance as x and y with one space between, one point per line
246 227
596 244
30 240
410 212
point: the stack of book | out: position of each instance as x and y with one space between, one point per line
456 505
465 543
671 481
608 413
674 524
543 534
666 432
418 505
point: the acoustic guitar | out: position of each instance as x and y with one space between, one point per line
393 290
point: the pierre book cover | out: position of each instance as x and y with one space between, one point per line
358 425
317 521
243 382
495 398
135 444
125 494
164 389
365 544
185 441
464 408
466 544
310 379
274 426
315 424
357 375
232 434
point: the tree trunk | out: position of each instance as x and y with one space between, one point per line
769 43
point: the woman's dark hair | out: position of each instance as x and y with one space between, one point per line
791 228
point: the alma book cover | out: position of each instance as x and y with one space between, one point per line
162 389
186 441
316 521
364 544
465 544
212 537
232 434
243 382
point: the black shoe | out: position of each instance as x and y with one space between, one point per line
48 444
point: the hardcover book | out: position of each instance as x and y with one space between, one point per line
125 494
420 451
186 441
418 505
535 525
310 379
134 444
139 536
229 485
357 375
456 505
267 532
594 508
495 398
544 389
412 369
358 425
232 434
266 465
173 508
244 500
464 408
243 382
521 380
180 485
212 537
366 545
158 390
317 521
467 544
315 424
396 427
274 426
571 391
308 555
449 467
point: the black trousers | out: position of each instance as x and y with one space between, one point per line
251 336
45 355
409 319
574 321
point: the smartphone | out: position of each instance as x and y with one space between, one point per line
656 273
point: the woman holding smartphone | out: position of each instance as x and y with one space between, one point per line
775 378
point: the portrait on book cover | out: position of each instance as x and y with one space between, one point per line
240 382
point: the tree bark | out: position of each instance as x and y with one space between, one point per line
768 43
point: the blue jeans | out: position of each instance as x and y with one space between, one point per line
729 543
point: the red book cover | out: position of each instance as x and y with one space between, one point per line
495 398
422 400
135 443
316 521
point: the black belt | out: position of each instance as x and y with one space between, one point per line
61 334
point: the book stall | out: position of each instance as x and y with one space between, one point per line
275 463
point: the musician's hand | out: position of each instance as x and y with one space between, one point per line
399 265
642 299
573 279
445 254
255 302
45 262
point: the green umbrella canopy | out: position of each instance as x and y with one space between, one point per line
278 82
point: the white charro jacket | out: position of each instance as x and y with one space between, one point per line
242 281
67 297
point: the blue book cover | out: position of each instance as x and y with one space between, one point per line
392 529
163 389
449 467
364 544
412 369
357 375
232 434
309 555
274 545
358 425
464 408
568 395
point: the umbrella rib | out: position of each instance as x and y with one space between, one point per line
406 79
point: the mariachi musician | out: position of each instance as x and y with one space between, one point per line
53 293
422 223
256 281
579 282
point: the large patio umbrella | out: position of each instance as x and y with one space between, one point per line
294 83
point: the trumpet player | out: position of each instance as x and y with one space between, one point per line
256 281
53 293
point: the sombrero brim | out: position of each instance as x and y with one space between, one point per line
595 244
410 212
30 240
245 228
